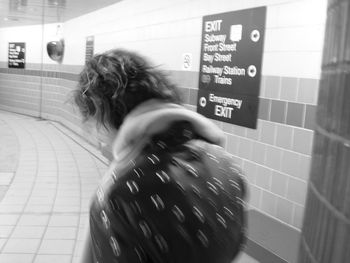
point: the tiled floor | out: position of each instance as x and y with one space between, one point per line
46 180
47 175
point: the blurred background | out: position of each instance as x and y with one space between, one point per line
276 156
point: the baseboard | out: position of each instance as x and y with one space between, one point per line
271 241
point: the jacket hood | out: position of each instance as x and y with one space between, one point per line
154 116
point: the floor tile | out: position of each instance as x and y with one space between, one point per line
46 173
21 187
5 178
22 246
3 191
82 233
52 259
68 201
59 247
44 196
68 193
18 192
40 201
5 231
13 200
16 258
28 232
65 209
46 179
68 186
33 220
79 248
8 220
2 242
64 220
38 209
60 233
11 209
43 191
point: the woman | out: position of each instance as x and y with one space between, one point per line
172 194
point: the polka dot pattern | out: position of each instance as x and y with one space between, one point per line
180 200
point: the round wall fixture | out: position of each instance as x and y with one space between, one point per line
55 50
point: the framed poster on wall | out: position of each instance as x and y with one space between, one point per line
89 48
17 55
230 66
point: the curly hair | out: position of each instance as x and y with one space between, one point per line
113 83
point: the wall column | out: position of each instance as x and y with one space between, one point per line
326 229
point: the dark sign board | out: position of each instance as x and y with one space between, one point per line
17 52
230 66
89 51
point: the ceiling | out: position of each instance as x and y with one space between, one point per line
32 12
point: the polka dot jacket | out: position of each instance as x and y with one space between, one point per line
180 199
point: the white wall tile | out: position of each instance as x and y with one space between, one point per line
298 216
310 12
304 64
268 203
263 177
284 210
249 169
296 191
308 38
279 183
254 196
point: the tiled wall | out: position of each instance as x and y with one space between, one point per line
43 92
275 156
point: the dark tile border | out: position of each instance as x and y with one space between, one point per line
290 113
279 111
41 73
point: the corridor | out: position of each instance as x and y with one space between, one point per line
46 181
47 176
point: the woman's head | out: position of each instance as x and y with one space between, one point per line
115 82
